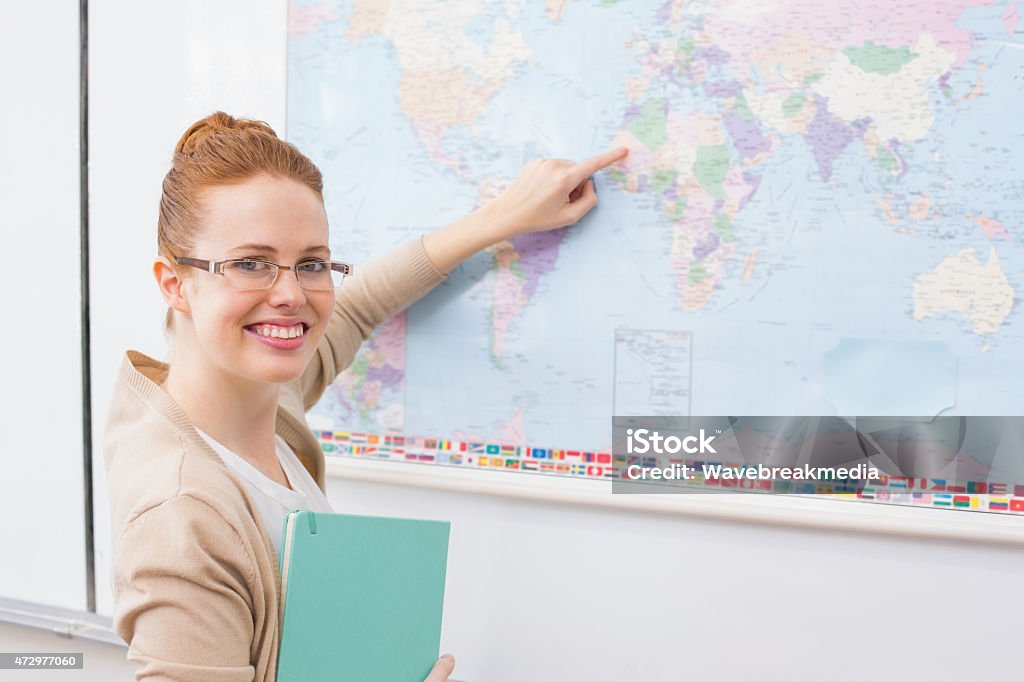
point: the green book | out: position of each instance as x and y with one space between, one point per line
361 597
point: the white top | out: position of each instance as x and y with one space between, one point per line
273 499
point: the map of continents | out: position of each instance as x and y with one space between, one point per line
809 185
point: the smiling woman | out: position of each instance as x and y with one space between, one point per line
205 454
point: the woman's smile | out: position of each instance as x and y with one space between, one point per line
279 336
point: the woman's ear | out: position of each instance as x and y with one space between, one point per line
172 286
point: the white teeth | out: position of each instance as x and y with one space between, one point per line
279 332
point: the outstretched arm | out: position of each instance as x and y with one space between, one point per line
547 193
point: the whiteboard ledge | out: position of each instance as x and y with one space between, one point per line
66 623
785 510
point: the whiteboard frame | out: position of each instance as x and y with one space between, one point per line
69 623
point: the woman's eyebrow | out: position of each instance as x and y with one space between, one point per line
270 249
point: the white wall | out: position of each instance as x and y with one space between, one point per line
550 592
42 500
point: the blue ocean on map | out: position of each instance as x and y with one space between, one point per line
807 184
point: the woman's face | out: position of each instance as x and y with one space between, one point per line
275 219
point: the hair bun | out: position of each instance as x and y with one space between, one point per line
214 123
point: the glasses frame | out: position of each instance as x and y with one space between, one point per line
217 268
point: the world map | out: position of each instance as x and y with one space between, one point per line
820 213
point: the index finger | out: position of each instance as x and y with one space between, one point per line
585 169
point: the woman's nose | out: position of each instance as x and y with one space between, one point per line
286 289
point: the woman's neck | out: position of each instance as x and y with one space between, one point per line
238 413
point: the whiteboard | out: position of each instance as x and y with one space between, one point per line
202 59
42 499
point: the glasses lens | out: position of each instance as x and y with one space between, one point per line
319 276
249 274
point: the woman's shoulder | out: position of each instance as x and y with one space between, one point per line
153 454
145 474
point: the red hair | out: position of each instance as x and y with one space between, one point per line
214 151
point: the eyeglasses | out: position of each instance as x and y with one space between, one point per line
251 274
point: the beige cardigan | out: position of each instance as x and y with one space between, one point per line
194 575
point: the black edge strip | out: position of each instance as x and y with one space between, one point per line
83 192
